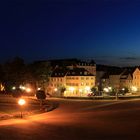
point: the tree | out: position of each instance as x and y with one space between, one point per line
40 72
14 72
41 96
94 89
62 90
124 90
2 75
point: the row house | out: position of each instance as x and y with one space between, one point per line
57 81
126 79
112 78
79 82
136 79
123 78
76 82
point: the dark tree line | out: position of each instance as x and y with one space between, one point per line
15 72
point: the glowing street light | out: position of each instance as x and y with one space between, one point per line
106 89
135 89
22 87
21 102
110 88
28 90
13 88
123 89
55 89
39 88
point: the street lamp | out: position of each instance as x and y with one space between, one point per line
134 89
21 102
28 90
13 88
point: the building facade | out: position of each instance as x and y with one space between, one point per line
79 82
75 82
136 79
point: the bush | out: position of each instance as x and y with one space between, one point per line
40 94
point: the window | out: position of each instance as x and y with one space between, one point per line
82 78
85 73
73 72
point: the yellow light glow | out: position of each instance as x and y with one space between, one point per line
123 88
38 88
22 87
71 89
80 90
21 102
55 89
134 88
13 88
87 88
28 90
106 89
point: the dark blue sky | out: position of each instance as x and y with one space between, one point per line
105 30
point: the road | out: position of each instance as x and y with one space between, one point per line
78 120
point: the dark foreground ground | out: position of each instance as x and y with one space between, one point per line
78 120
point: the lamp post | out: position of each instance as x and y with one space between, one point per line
21 102
117 94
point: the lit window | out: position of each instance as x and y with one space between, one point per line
82 84
87 78
85 73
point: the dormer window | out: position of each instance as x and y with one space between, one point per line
85 73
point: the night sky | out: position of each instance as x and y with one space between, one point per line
105 30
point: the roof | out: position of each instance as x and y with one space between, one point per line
71 62
128 71
105 76
78 72
59 72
